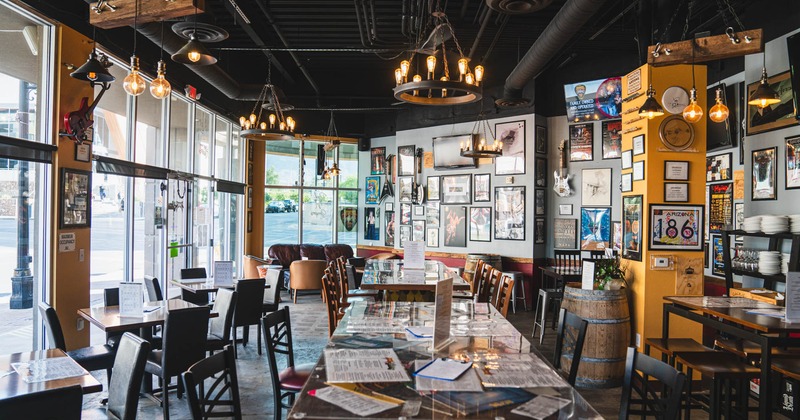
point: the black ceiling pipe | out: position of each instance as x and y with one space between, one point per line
566 23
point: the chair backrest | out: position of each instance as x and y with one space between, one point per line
344 277
569 342
596 255
153 288
184 339
664 405
306 274
55 335
485 284
50 404
278 336
111 296
476 277
193 273
504 294
224 305
126 378
249 302
221 397
330 289
272 293
567 258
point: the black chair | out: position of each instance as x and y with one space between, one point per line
111 298
249 302
90 358
290 380
352 273
50 404
198 298
219 331
272 296
222 392
664 401
184 343
123 389
569 342
153 288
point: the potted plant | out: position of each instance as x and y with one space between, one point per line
609 274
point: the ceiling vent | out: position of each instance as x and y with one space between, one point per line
512 102
518 7
204 32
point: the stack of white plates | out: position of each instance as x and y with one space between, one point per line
752 224
785 263
774 224
769 262
794 223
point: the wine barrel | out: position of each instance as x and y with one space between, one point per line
608 335
494 260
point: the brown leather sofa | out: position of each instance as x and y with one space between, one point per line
285 254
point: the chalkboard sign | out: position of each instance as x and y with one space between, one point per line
565 233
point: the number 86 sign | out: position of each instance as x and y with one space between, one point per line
676 227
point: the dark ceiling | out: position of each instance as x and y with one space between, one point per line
340 54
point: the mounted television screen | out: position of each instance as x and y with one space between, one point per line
447 152
595 100
725 134
793 46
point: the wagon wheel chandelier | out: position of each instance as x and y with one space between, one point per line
274 126
482 143
437 88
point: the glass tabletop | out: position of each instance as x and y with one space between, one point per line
393 273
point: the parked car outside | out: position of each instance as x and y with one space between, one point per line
290 205
275 207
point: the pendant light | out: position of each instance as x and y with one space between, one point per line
95 69
194 52
160 87
134 83
693 113
719 112
764 95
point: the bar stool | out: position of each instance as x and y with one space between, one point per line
519 280
789 368
672 347
540 320
722 368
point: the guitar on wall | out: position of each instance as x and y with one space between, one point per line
78 123
561 176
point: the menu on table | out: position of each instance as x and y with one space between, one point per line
518 371
131 302
48 369
792 297
364 365
442 313
223 273
414 254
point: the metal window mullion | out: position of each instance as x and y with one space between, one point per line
212 226
166 118
190 187
335 224
301 194
132 112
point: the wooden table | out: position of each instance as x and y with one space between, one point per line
203 285
12 385
730 316
560 275
108 319
391 275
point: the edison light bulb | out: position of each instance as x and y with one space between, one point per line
404 66
398 76
693 113
134 84
241 121
246 124
271 120
160 87
252 119
283 126
719 112
417 78
431 65
263 125
91 76
478 74
469 78
290 123
444 91
462 66
194 56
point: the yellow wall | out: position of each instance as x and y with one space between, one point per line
254 241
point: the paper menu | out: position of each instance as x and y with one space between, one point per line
364 365
414 254
468 382
131 299
442 313
223 273
792 297
587 275
444 369
358 404
541 407
524 370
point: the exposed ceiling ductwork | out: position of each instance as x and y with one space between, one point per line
517 7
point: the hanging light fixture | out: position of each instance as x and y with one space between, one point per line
333 142
276 126
693 113
160 87
719 112
439 89
95 69
194 52
134 83
764 95
482 143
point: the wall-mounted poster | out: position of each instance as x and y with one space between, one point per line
405 214
616 236
433 188
594 100
565 233
738 184
372 192
541 139
455 226
720 203
482 188
512 134
418 230
764 173
541 172
432 213
480 224
509 213
612 139
775 116
539 202
457 189
676 227
388 232
76 198
405 160
738 218
793 162
581 140
405 186
632 217
595 228
596 187
405 236
433 237
371 224
539 230
377 161
718 167
718 264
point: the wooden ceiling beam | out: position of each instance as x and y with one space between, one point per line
116 13
710 48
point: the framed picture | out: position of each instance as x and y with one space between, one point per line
626 182
250 173
616 236
764 173
405 186
612 139
775 116
595 228
418 230
405 235
456 189
676 227
377 160
793 162
565 233
538 230
581 142
705 255
405 160
482 184
509 213
76 199
718 167
632 217
676 170
638 145
419 212
512 134
565 209
676 192
433 188
627 159
718 263
720 206
455 226
371 224
638 171
432 214
405 214
432 233
480 224
738 218
390 206
540 169
250 150
541 139
388 230
249 221
596 187
249 197
83 152
372 191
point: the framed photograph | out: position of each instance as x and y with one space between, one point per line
539 230
775 116
372 224
405 235
433 188
540 169
720 207
480 224
250 150
632 217
616 236
793 162
482 184
388 230
764 173
377 160
627 159
638 145
565 233
249 221
456 189
676 192
596 187
455 226
638 171
83 152
76 199
565 209
405 214
509 213
249 197
595 228
718 167
512 134
432 234
718 263
372 191
405 160
405 186
581 142
676 227
626 182
539 202
541 139
432 214
419 212
250 173
738 218
676 170
612 139
390 206
418 230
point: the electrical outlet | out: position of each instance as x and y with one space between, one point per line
80 255
638 340
79 324
509 180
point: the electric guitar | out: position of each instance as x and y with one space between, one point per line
78 122
388 188
561 186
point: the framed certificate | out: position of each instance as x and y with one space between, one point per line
676 192
627 182
676 170
638 171
627 159
638 145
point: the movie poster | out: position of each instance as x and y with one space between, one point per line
720 213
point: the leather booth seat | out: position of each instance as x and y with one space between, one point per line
285 254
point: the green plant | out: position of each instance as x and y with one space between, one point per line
607 269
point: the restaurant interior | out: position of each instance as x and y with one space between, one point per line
399 208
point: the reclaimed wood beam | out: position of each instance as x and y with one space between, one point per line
110 14
710 48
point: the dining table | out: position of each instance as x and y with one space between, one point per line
13 382
559 275
397 282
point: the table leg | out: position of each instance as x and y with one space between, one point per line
665 322
147 380
765 386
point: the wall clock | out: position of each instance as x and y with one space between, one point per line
674 99
676 133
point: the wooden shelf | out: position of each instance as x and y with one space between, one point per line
776 241
771 277
783 235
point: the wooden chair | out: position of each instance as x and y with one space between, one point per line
504 295
570 336
223 391
49 404
476 278
566 258
350 293
664 404
487 290
724 370
332 300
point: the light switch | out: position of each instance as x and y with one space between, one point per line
80 255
